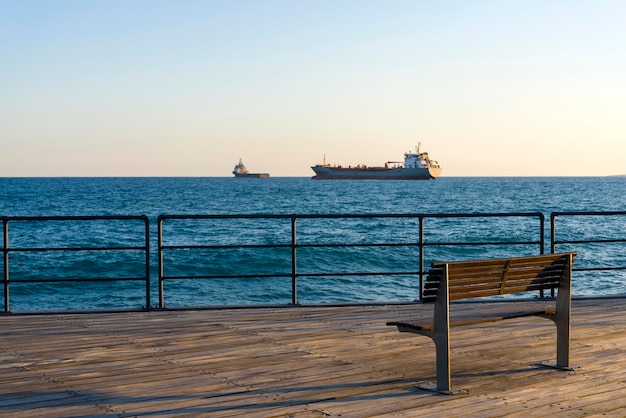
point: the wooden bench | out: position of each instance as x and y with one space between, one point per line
448 281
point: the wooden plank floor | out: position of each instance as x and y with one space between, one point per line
304 362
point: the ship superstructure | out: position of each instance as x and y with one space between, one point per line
240 171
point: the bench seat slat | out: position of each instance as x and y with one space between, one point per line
463 321
512 267
510 285
477 293
485 291
516 261
549 280
474 266
535 271
540 269
496 275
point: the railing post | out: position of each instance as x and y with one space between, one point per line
5 252
421 250
542 244
553 232
294 274
147 226
542 235
160 258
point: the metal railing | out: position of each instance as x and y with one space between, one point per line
294 239
57 236
591 236
297 249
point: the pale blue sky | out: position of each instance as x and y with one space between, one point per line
186 88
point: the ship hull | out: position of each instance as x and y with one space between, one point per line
252 176
375 173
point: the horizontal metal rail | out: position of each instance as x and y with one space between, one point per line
9 250
592 234
294 244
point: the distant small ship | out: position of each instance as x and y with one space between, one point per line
417 166
240 171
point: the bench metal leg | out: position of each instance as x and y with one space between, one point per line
441 335
562 342
562 345
442 350
564 317
442 346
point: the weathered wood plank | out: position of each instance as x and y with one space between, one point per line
304 362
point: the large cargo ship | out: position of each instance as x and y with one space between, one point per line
416 166
240 171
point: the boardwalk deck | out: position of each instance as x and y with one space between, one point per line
304 362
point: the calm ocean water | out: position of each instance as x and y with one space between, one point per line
155 196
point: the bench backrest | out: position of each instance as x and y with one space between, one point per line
481 278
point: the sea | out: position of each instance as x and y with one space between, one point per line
154 196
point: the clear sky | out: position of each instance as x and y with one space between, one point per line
186 88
